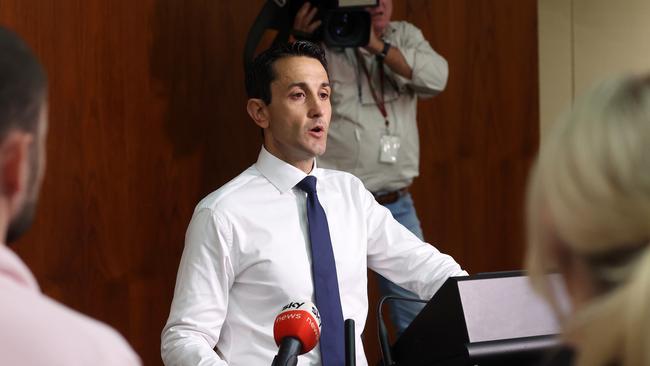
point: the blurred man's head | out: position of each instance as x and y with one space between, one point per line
23 128
381 15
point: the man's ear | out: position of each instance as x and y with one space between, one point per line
259 113
14 163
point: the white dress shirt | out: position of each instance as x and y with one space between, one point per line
36 330
247 254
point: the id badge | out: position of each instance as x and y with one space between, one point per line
389 148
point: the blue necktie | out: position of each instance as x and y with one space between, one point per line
326 284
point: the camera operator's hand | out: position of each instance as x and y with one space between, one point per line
304 24
393 58
375 44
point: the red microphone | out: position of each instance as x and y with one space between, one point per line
296 330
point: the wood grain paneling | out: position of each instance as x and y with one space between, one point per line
478 137
147 116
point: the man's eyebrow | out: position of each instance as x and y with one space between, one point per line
304 85
298 84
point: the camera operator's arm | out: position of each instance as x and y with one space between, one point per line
393 57
430 70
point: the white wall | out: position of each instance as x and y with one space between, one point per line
584 41
555 59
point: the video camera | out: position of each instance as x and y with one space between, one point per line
345 23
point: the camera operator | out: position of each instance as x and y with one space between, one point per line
373 132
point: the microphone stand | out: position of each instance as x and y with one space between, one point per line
350 350
386 354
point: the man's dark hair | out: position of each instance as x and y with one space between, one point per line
261 73
23 85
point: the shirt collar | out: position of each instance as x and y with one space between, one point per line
281 174
12 268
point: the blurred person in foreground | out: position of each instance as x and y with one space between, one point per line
589 220
34 329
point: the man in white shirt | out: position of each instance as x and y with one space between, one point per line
247 250
35 330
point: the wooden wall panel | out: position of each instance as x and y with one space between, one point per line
147 116
478 137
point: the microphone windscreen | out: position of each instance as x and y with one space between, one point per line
300 320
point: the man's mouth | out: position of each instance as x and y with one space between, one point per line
317 131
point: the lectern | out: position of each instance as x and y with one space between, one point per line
486 319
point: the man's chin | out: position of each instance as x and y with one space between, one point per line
379 26
320 151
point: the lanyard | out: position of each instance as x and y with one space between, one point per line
379 102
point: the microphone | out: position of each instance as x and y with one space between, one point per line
296 330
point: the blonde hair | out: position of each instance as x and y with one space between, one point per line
589 192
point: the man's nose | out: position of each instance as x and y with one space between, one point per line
316 107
